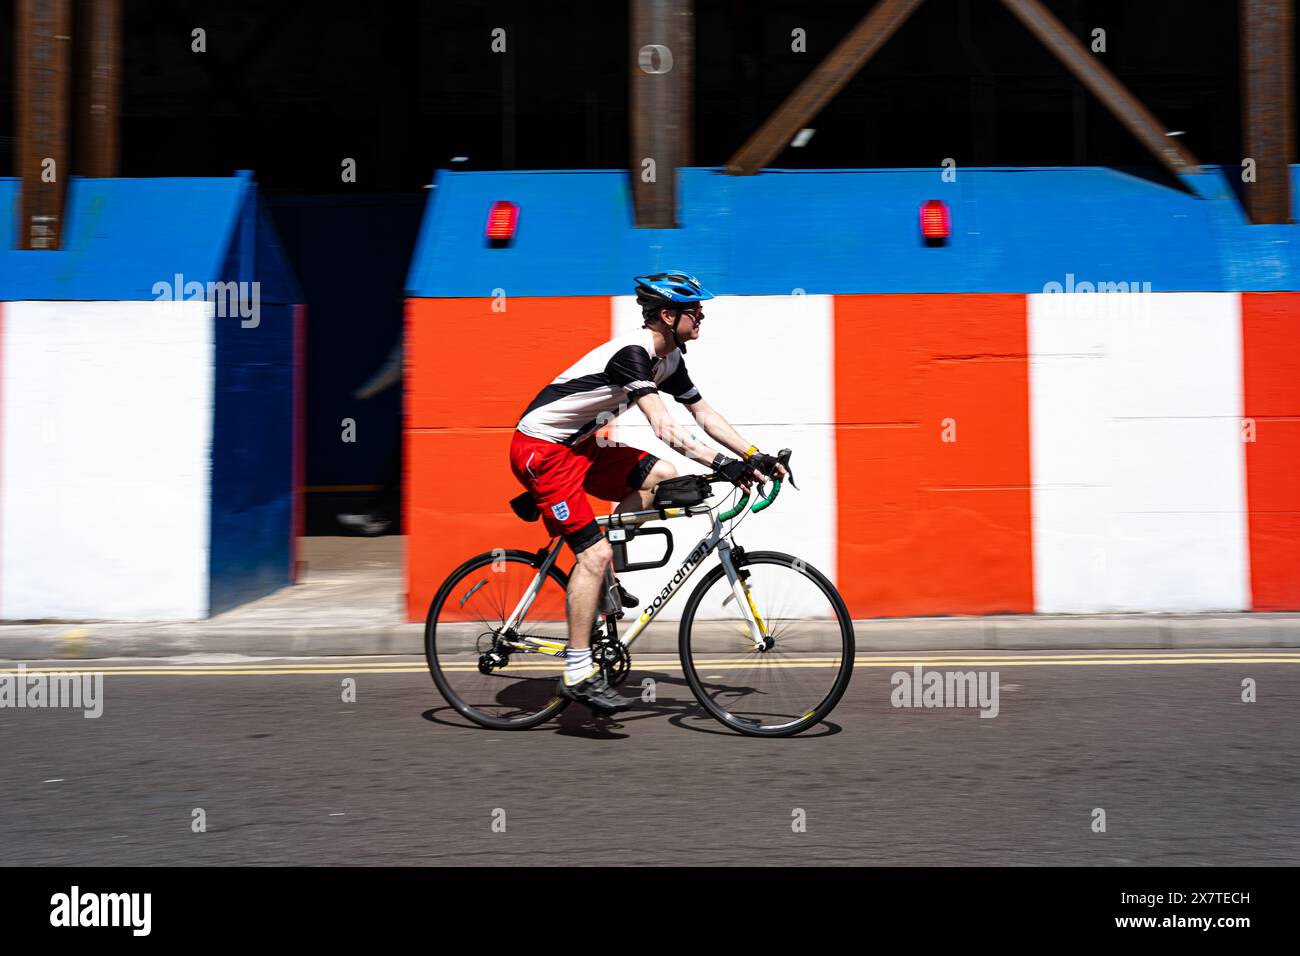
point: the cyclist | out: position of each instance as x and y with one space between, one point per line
555 452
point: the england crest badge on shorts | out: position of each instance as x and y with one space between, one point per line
561 510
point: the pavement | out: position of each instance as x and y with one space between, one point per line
350 601
1112 758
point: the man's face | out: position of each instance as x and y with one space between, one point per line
688 329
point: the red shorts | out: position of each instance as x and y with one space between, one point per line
558 475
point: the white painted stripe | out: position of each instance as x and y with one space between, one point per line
1138 464
105 461
766 364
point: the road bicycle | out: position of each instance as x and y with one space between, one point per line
765 641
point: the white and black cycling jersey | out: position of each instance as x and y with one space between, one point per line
607 377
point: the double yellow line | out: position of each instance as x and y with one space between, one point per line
290 667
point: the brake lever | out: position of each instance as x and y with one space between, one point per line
783 456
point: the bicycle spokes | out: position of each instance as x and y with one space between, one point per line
492 673
771 651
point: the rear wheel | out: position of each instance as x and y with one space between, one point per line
802 667
498 679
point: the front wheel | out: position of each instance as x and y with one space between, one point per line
795 672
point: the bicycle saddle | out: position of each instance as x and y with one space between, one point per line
525 507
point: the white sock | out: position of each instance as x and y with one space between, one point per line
578 666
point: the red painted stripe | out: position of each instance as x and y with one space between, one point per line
1270 323
928 526
470 373
407 389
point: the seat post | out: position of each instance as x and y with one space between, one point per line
609 603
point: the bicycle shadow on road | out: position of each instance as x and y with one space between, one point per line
682 711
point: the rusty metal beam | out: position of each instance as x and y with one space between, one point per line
98 102
820 86
1268 120
41 88
662 52
1089 71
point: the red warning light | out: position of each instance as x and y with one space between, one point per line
935 223
502 220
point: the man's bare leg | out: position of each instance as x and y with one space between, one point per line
644 497
583 595
588 575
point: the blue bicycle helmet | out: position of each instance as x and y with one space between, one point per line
670 290
674 287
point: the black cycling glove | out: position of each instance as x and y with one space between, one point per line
733 469
763 463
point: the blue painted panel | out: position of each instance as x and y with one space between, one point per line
252 430
252 458
8 222
563 215
853 231
123 235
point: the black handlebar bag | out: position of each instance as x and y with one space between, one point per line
682 492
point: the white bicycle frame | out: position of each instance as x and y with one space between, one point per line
714 540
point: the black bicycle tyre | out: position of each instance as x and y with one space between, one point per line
556 704
848 642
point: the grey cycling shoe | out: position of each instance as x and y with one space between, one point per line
596 693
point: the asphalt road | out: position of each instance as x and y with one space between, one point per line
285 771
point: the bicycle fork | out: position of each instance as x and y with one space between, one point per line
744 598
